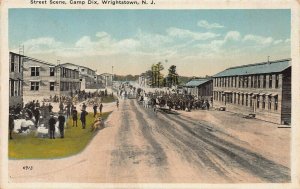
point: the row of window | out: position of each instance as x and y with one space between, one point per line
15 87
66 73
15 63
64 86
259 101
252 81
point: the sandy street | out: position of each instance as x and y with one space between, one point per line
138 145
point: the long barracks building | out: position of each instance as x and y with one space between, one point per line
261 89
43 79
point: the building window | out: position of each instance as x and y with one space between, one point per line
52 71
82 70
12 63
35 71
242 99
276 81
52 84
275 103
247 81
258 81
234 98
255 81
35 86
270 81
238 98
246 99
12 87
257 105
269 103
263 102
250 104
264 81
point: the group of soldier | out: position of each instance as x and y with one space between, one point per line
175 101
43 114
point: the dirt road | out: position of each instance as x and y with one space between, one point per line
141 146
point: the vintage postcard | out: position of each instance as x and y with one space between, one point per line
150 94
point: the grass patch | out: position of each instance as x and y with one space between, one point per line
108 99
31 147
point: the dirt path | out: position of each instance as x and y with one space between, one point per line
140 146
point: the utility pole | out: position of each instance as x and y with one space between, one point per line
112 75
21 50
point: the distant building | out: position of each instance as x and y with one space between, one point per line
15 79
144 80
200 87
87 76
107 79
262 89
43 79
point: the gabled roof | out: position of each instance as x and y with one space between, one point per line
258 68
109 74
40 61
196 82
68 63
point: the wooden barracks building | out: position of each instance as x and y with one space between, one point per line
15 79
43 79
261 89
200 88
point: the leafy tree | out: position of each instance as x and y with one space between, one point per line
172 78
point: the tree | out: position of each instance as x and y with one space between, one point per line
172 78
159 67
157 77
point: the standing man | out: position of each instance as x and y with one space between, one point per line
52 122
83 118
50 107
11 125
68 109
118 103
61 124
61 106
74 116
95 109
36 116
83 106
100 108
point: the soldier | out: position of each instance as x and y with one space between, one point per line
100 108
36 114
61 124
83 118
52 122
74 116
117 103
83 106
11 125
95 109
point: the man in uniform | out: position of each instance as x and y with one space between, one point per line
74 116
11 125
61 124
100 108
95 109
52 122
83 118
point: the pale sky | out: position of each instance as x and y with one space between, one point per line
198 42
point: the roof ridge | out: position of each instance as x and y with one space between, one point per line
42 61
260 63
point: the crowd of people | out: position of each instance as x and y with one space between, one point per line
41 114
173 100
